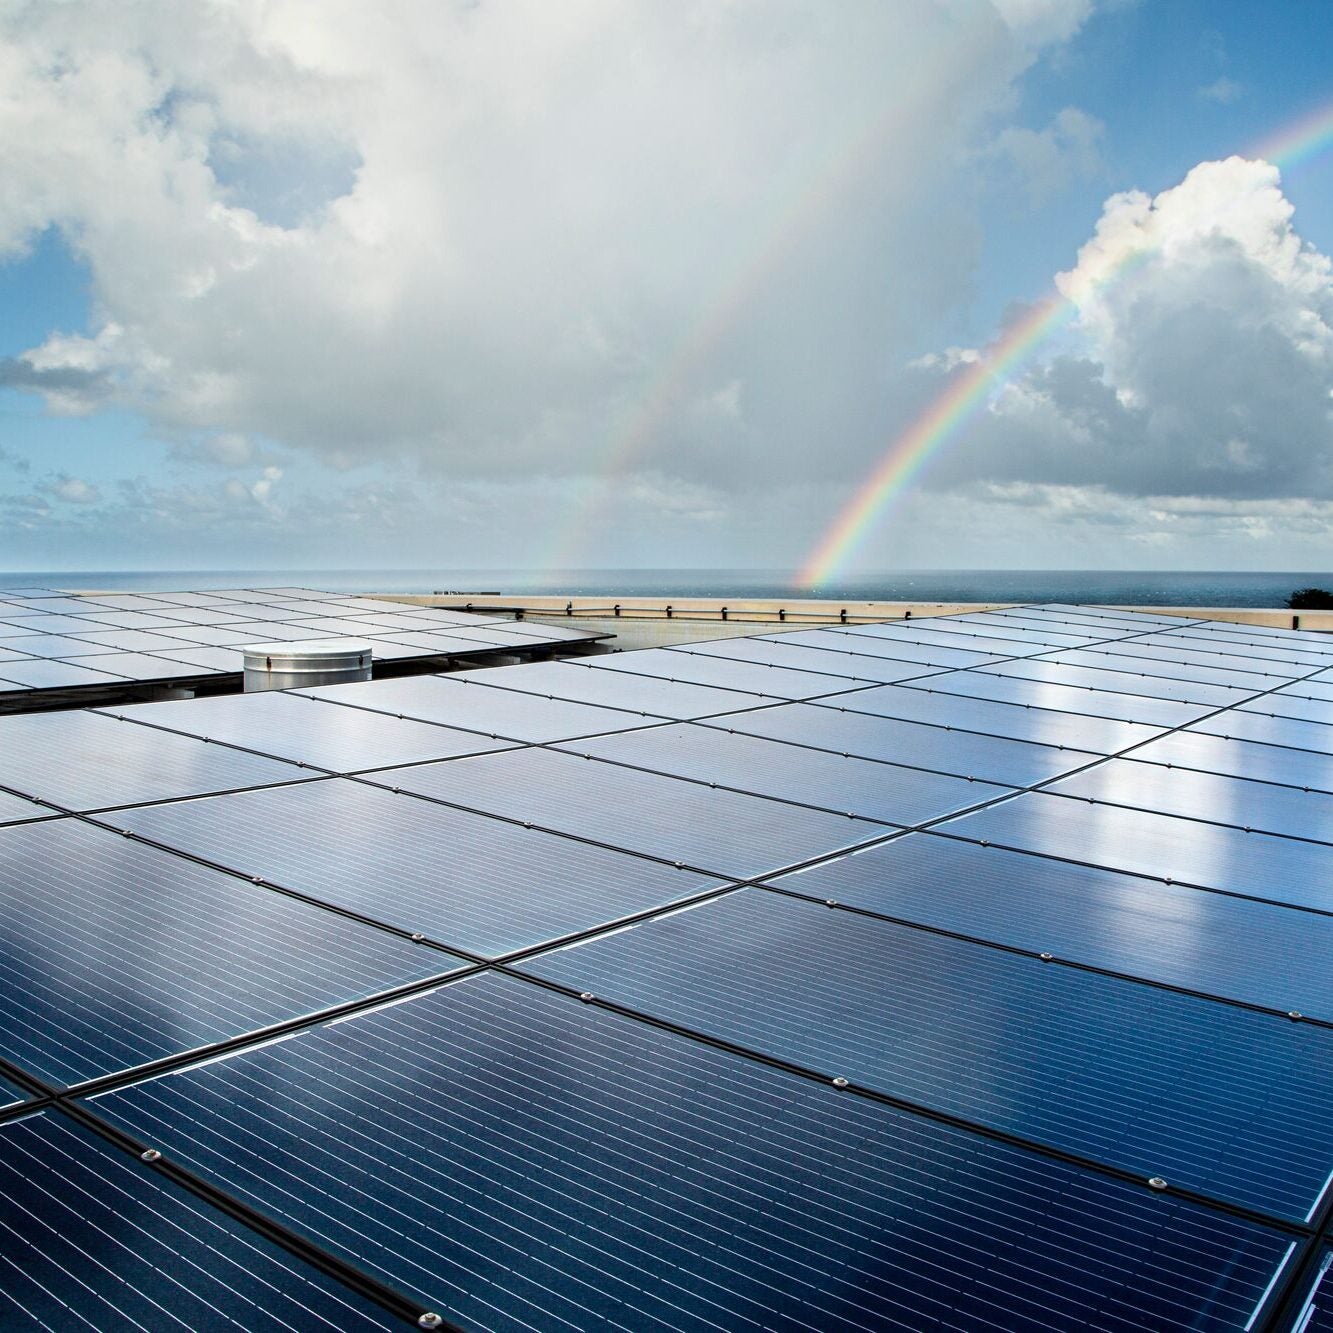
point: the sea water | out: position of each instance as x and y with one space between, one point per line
1121 587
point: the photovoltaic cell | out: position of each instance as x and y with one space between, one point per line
113 954
474 883
1191 657
1258 865
996 718
870 790
964 753
86 761
9 1094
1094 678
89 1237
850 667
520 1160
767 682
617 689
1242 759
942 633
307 731
49 674
1133 669
717 831
1297 704
894 649
1210 796
1235 1104
1269 730
1209 942
502 713
15 808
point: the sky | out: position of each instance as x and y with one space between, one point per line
665 283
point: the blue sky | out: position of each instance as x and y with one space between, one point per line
326 288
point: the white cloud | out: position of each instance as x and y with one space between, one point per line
73 490
485 236
1201 355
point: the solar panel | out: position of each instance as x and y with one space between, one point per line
86 761
848 666
719 832
1055 672
1269 730
767 682
1208 796
308 731
521 1160
903 650
477 884
1257 865
47 674
93 1238
1234 1104
964 753
997 718
1066 699
455 702
846 785
1296 704
1136 667
1216 944
116 954
1243 759
617 689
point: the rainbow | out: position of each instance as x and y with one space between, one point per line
944 418
795 215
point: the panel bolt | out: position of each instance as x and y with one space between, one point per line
149 1155
1156 1183
429 1320
1294 1013
839 1082
417 935
587 997
1046 957
830 902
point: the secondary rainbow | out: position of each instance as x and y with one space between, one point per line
943 419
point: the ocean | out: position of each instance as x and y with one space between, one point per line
1124 587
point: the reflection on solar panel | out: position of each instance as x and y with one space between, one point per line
568 995
101 643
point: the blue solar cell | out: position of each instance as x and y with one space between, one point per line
901 649
15 808
1258 865
40 673
1082 700
1229 1102
759 679
1210 796
305 731
1316 1313
113 954
849 667
617 689
964 753
1248 726
1295 702
1162 649
88 761
1202 646
1214 943
91 1238
872 790
10 1093
521 1161
1132 668
452 701
1241 759
719 832
475 883
1014 721
1123 682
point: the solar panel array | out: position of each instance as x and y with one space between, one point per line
968 973
52 641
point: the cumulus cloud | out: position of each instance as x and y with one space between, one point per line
483 236
73 490
1200 361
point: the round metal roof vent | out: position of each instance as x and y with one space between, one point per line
284 666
